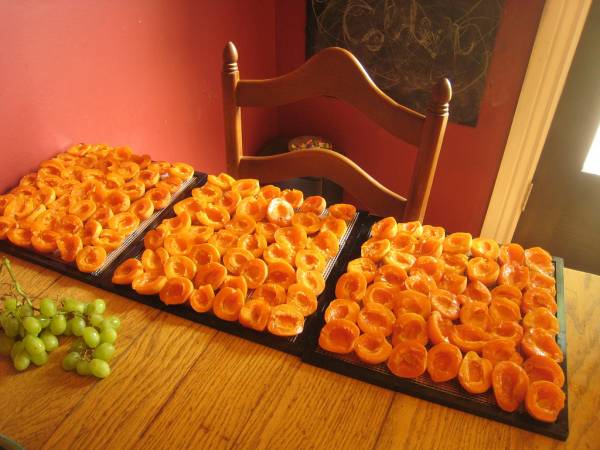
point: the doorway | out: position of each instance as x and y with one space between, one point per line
562 213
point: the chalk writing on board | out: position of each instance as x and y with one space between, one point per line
408 45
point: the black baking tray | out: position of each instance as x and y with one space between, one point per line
449 394
294 345
95 278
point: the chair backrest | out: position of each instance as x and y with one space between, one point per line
335 72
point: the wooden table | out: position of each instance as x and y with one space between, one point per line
178 384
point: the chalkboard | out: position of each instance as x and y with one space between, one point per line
407 45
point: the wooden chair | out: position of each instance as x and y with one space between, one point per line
335 72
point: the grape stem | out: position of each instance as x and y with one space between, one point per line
18 288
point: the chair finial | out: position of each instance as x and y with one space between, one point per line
441 95
230 54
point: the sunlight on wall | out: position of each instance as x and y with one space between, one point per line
592 161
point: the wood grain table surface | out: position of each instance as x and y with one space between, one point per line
178 384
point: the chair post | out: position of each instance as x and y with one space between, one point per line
429 150
231 111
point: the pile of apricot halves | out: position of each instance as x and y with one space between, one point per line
450 306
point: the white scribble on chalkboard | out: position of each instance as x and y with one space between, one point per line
407 45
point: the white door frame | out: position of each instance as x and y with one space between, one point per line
555 43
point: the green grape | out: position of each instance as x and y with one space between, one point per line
58 324
24 310
10 304
32 326
95 319
78 346
99 368
11 326
83 367
104 351
6 344
48 307
99 306
40 359
44 321
50 341
21 361
70 361
108 335
33 345
91 337
22 331
17 348
77 325
72 305
111 322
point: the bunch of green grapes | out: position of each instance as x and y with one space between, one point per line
29 333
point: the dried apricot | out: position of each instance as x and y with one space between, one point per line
255 272
303 298
420 282
273 294
68 246
485 247
148 283
372 348
391 274
342 211
294 197
310 260
445 302
504 310
124 222
511 253
509 292
438 328
255 207
415 228
227 304
213 216
208 193
497 350
539 260
339 336
237 282
293 236
475 373
544 401
478 291
443 362
413 302
514 275
375 317
201 299
246 187
326 242
255 314
541 318
510 383
212 273
468 337
538 297
335 226
127 271
180 266
241 224
280 212
118 201
402 259
475 314
282 273
341 308
235 259
483 270
385 228
363 265
90 258
408 360
537 341
254 243
203 254
310 222
222 180
375 249
269 192
544 368
351 285
458 243
285 320
314 204
45 241
509 330
410 327
312 279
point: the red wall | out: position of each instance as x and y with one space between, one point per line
144 73
470 157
